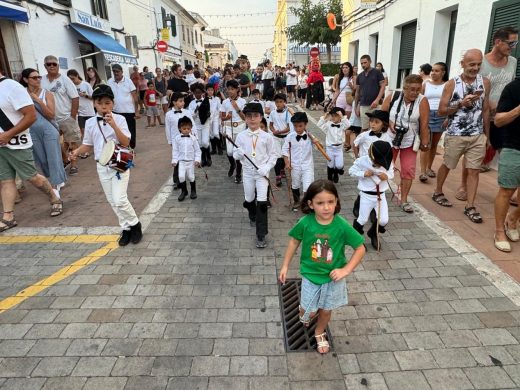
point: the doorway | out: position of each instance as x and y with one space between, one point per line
4 62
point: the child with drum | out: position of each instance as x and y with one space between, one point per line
108 131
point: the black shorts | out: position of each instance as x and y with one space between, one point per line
291 88
302 93
355 129
82 120
141 95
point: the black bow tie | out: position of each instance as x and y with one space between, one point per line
378 135
177 112
199 100
333 125
299 137
183 136
100 118
280 110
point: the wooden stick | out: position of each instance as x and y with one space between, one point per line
288 178
319 146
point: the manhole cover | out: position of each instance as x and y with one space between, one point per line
297 338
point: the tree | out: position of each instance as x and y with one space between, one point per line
312 24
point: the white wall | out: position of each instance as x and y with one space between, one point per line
432 31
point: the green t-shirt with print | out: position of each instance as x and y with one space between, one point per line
323 246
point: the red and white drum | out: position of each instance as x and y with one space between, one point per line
116 157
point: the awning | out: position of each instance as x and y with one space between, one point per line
13 12
112 49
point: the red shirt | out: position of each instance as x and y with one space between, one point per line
150 98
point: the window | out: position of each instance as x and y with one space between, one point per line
99 8
183 34
188 31
192 38
196 39
451 38
406 51
373 47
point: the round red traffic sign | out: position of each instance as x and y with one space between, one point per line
161 46
314 52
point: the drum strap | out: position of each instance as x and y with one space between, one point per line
103 134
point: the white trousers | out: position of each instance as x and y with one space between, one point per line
232 132
302 177
253 181
203 134
186 171
215 128
368 203
115 190
336 156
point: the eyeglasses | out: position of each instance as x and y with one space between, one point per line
511 44
35 77
49 64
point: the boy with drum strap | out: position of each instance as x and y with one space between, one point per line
107 126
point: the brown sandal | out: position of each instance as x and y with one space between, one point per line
56 208
441 200
473 215
8 224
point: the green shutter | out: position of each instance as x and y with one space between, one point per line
407 46
503 14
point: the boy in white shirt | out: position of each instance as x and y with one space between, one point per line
186 155
297 153
200 109
335 125
171 120
260 147
98 130
280 125
378 124
233 119
214 102
373 172
256 98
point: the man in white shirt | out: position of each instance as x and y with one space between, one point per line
292 80
17 114
67 105
125 100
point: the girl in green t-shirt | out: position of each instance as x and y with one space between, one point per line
323 266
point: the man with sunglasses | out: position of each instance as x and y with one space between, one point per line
67 105
125 100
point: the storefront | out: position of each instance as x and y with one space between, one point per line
97 47
10 58
171 57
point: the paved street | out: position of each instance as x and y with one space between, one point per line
195 305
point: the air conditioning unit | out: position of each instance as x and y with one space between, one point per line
131 44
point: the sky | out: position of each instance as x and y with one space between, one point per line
252 35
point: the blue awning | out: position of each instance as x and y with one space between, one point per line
13 12
112 49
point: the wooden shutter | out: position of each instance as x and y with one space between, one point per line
407 46
503 14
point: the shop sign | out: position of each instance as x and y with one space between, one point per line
165 34
88 20
116 58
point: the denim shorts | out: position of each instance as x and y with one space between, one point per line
436 122
326 296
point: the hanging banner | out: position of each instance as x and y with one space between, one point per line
368 4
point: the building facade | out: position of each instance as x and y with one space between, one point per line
220 51
402 35
346 33
79 33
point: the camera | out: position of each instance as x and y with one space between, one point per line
399 134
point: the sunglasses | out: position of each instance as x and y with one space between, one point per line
511 44
49 64
35 77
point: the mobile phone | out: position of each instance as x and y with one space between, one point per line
478 92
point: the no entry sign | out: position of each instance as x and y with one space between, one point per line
161 46
314 52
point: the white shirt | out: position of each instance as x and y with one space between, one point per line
267 74
302 81
190 78
123 100
259 101
281 120
214 103
14 97
363 164
86 106
93 136
228 107
269 105
301 151
64 91
185 149
334 135
171 123
408 122
365 139
260 147
291 77
434 93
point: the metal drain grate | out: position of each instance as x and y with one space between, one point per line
297 338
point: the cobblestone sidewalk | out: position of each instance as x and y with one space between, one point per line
195 306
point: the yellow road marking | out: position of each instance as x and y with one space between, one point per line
62 273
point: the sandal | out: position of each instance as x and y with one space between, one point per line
511 233
7 224
431 173
407 208
322 343
513 202
441 200
84 155
423 178
56 208
461 195
473 215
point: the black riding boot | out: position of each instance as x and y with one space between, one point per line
251 211
330 175
238 176
221 145
208 157
296 199
335 174
184 191
176 177
136 233
213 142
203 162
355 209
261 224
359 228
193 188
372 233
232 165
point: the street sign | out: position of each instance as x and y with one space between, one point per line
165 34
161 46
314 52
